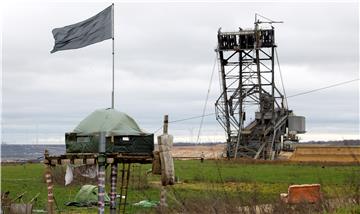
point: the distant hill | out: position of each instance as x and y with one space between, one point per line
196 144
336 142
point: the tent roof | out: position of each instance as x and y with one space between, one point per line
110 121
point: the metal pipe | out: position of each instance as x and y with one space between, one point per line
226 105
102 142
240 105
113 56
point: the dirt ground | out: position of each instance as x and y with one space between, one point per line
303 153
210 152
319 153
189 152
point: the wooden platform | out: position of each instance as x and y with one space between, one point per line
91 158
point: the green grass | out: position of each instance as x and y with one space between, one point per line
355 209
263 173
250 181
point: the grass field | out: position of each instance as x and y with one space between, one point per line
243 183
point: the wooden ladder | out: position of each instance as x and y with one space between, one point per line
125 175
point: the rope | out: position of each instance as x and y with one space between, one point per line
294 95
185 119
206 100
256 14
282 80
326 87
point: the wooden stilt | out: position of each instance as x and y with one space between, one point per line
114 171
163 203
50 186
165 142
101 189
101 159
125 176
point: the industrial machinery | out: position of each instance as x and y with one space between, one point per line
251 109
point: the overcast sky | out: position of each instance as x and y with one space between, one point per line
163 63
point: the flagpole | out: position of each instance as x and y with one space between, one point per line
113 57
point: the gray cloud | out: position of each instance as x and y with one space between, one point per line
164 56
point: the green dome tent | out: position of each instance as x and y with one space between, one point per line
87 196
123 135
110 121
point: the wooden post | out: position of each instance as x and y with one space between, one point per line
101 189
49 183
114 171
50 187
166 124
101 176
163 203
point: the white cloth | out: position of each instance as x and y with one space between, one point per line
89 171
69 174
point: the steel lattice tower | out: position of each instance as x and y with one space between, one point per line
248 83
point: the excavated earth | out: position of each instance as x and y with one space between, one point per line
302 153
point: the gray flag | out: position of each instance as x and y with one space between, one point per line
95 29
